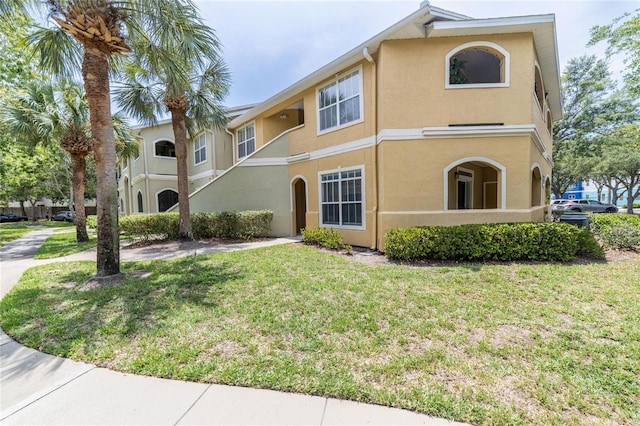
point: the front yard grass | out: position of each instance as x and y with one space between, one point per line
521 343
12 232
63 244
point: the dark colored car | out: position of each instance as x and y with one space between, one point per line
63 216
586 206
9 217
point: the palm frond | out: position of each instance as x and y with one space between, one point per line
57 51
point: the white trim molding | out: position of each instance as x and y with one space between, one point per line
261 162
492 131
343 148
306 192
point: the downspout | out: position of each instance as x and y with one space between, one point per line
146 178
213 151
374 88
233 149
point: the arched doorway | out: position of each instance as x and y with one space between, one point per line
536 187
474 183
299 190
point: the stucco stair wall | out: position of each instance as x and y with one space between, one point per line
258 182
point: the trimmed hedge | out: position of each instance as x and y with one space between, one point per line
516 241
616 230
247 224
325 237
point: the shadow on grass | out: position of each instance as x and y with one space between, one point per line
64 317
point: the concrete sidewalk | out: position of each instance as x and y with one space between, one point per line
36 388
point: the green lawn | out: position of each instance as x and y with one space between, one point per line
63 244
10 232
521 343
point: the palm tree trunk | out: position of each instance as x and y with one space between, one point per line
178 121
78 164
95 72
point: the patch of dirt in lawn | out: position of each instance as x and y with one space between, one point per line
111 280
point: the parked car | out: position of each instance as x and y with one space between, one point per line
9 217
64 215
586 206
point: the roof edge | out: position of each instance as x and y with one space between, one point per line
351 57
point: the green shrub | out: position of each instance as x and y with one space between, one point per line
518 241
164 226
588 246
325 237
247 224
92 221
616 231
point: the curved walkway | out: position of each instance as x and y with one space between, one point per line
36 388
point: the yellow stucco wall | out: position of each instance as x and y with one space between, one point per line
412 79
311 170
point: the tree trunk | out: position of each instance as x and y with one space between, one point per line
33 210
95 72
178 121
78 164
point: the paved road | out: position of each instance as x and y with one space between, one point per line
36 388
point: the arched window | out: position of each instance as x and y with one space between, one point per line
167 199
549 123
165 148
140 205
477 64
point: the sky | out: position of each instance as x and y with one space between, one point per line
269 45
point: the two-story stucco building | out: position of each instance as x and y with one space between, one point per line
148 183
438 120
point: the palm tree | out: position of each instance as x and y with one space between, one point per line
97 31
43 113
193 106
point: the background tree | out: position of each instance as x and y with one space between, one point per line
57 113
623 36
30 174
95 31
194 105
593 108
621 160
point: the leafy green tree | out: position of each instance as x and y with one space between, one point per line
623 36
620 159
57 113
50 114
193 105
31 174
92 33
593 108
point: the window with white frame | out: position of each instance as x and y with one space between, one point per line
341 198
200 149
339 102
246 140
165 149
